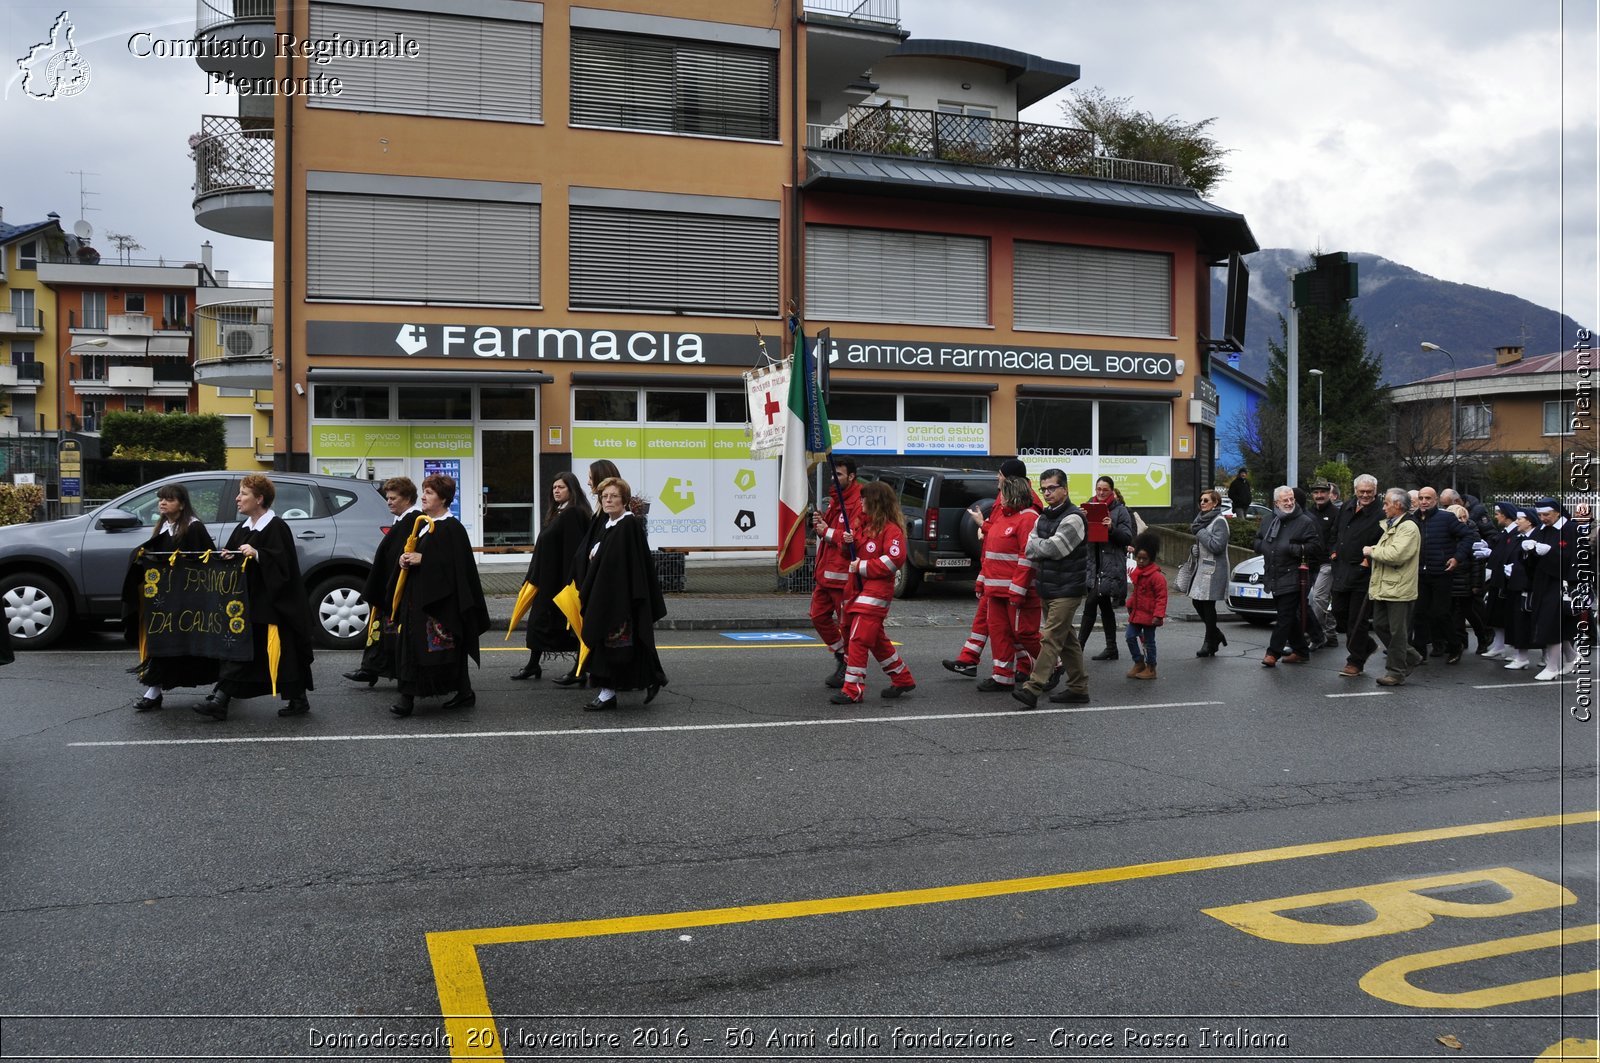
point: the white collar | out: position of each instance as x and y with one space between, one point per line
611 522
413 509
260 522
168 526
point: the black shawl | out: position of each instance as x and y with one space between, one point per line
552 567
621 600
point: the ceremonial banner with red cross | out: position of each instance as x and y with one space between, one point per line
767 389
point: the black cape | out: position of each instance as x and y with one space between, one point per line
442 613
164 672
378 654
1550 579
621 601
277 596
552 567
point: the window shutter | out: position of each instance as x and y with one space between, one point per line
1099 291
665 261
467 67
879 275
622 81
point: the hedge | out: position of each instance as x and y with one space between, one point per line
187 437
18 502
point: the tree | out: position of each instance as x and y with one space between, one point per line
1126 133
1422 443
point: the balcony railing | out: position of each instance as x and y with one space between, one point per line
978 141
263 444
230 156
30 372
13 323
209 13
885 11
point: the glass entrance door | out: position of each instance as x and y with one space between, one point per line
510 485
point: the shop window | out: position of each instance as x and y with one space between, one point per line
963 409
1136 428
732 407
1055 426
350 402
508 404
675 407
592 404
862 406
435 404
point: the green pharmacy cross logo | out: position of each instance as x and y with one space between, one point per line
677 495
54 69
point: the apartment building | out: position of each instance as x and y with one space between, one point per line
513 237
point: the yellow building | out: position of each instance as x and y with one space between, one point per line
30 384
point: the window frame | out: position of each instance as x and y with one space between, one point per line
1567 412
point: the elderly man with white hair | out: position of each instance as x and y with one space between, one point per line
1290 542
1393 586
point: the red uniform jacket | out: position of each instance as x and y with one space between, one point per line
1147 595
878 558
833 556
1006 570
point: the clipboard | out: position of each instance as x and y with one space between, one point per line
1094 514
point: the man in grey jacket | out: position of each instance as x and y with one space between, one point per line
1061 576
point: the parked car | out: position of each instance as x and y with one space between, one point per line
55 573
1255 511
1248 595
941 536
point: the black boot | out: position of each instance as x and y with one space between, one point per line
215 705
1107 654
836 680
405 706
531 670
296 707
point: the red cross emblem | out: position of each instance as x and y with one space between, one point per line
770 408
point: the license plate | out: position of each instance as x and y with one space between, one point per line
950 562
1242 591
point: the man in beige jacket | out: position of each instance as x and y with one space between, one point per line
1392 589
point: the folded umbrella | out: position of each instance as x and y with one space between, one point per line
524 602
274 653
411 548
571 607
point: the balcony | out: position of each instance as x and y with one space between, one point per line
233 344
975 141
235 36
168 379
233 168
23 378
878 12
14 324
264 448
129 325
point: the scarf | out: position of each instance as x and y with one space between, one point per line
1202 521
1277 523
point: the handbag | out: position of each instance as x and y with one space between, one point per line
1185 577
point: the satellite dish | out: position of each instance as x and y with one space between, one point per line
82 229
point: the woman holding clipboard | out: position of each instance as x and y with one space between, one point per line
1109 528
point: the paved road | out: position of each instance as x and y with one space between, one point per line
744 870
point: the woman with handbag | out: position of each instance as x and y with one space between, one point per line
177 528
442 611
1110 538
1204 576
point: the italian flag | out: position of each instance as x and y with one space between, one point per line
806 441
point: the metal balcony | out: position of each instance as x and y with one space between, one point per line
235 37
233 183
879 12
233 343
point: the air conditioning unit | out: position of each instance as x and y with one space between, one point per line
247 341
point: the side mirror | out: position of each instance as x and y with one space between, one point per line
117 520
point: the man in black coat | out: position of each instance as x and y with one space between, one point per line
1321 628
1291 542
1446 545
1359 524
1239 494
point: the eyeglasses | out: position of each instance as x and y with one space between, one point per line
1048 488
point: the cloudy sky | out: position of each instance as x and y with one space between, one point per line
1455 136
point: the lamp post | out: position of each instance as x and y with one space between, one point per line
1318 374
1454 425
61 381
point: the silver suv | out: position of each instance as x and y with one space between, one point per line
54 573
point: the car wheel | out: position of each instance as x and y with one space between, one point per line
907 581
341 613
37 611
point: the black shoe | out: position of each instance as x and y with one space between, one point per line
1067 697
1453 658
988 686
650 692
297 707
1107 654
842 698
1207 649
405 706
215 706
147 704
531 670
461 701
889 693
836 680
568 680
361 675
1028 698
961 668
597 705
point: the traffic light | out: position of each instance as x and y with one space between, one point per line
1328 286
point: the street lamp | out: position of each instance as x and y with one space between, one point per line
1454 427
61 381
1318 374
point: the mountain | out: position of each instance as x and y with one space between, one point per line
1400 308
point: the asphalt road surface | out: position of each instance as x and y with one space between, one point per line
1229 862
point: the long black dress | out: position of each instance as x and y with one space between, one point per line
6 656
552 567
165 672
442 613
277 596
1551 576
621 601
378 654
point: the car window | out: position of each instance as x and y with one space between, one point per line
961 494
204 494
914 493
339 499
298 501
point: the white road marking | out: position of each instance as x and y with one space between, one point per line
680 728
1527 684
1362 694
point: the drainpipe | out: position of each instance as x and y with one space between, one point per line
798 103
290 186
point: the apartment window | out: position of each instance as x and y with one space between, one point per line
422 240
133 405
484 59
1558 418
21 353
28 254
22 307
177 406
133 303
94 411
94 310
236 430
672 254
882 275
1475 420
964 125
1092 290
673 85
175 310
234 393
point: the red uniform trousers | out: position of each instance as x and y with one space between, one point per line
978 638
827 613
866 633
1013 636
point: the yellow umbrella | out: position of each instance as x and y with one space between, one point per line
524 602
274 652
570 605
411 547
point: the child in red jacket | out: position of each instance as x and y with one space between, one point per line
1147 605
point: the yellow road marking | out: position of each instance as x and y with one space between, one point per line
1388 981
464 998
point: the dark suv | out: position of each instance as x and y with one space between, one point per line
59 571
941 535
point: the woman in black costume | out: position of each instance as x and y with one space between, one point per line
551 569
377 658
176 529
620 601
